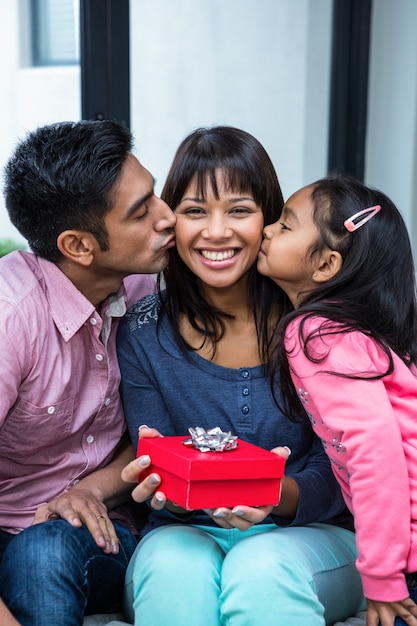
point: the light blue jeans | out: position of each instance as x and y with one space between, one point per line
270 576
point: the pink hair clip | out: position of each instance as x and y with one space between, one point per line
350 224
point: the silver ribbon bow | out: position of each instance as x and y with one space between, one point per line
213 440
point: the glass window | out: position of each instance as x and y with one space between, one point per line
55 28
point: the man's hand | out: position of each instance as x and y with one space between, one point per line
384 613
80 506
87 501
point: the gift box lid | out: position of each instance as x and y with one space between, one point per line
246 461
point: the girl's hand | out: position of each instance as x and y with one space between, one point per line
384 613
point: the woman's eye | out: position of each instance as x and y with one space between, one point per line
193 211
284 227
241 210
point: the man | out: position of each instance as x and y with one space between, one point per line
89 213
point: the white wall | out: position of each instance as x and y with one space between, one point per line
262 65
391 149
29 97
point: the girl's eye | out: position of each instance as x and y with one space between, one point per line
284 227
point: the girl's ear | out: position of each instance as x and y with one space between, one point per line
77 246
330 264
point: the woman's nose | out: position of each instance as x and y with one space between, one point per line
217 228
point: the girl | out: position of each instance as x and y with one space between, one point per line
193 355
342 254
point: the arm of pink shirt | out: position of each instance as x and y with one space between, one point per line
89 500
106 484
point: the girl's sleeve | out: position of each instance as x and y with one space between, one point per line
360 433
320 499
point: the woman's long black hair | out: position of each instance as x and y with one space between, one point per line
374 292
246 167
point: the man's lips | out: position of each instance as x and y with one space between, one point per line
170 243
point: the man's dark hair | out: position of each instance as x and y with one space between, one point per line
61 177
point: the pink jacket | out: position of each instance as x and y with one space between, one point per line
369 431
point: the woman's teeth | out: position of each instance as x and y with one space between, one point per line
218 256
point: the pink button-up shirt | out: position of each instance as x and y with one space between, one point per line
60 411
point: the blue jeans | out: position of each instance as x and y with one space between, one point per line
304 576
53 574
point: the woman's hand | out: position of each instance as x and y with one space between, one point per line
147 489
240 517
243 517
384 613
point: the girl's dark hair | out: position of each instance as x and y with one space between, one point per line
374 292
245 166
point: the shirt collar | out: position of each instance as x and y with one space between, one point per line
70 309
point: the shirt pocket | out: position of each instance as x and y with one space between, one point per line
30 428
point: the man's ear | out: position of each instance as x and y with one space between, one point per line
330 264
77 246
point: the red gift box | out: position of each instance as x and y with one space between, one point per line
247 475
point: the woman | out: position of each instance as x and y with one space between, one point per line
194 355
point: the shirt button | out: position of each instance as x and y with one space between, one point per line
93 321
244 373
51 409
90 438
245 409
99 357
245 391
107 401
